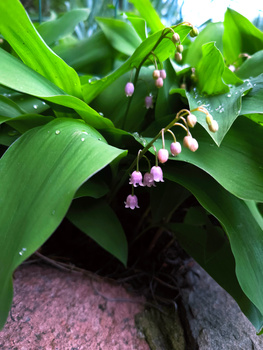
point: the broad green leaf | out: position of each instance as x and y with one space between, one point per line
21 34
162 207
121 35
240 36
252 67
79 55
87 214
244 233
28 121
16 75
51 162
252 102
148 12
225 108
163 51
252 205
95 188
237 164
9 109
210 71
211 32
139 24
54 30
114 105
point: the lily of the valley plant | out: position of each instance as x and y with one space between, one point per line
136 118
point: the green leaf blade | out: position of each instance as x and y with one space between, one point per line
19 31
51 162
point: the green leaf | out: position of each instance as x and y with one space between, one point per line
139 24
240 36
16 75
52 31
210 71
114 105
120 34
40 174
162 206
244 233
87 214
237 164
252 102
81 57
163 51
225 108
211 32
252 67
28 121
9 109
21 34
148 12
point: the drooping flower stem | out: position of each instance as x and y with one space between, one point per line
163 35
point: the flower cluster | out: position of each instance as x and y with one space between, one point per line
185 119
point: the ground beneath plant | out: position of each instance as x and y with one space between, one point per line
72 295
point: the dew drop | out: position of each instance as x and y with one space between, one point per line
43 103
99 139
35 106
101 114
13 133
22 251
57 132
53 212
229 95
83 139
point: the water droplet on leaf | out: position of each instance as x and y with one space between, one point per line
57 132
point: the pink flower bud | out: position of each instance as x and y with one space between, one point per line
131 202
157 173
148 102
191 120
136 178
209 119
163 73
129 89
213 126
163 155
175 148
194 145
178 56
176 38
194 32
180 48
190 143
159 82
156 74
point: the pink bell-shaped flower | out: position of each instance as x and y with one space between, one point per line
129 89
157 173
148 102
148 180
131 202
136 178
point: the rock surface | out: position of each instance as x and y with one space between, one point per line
57 310
213 320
